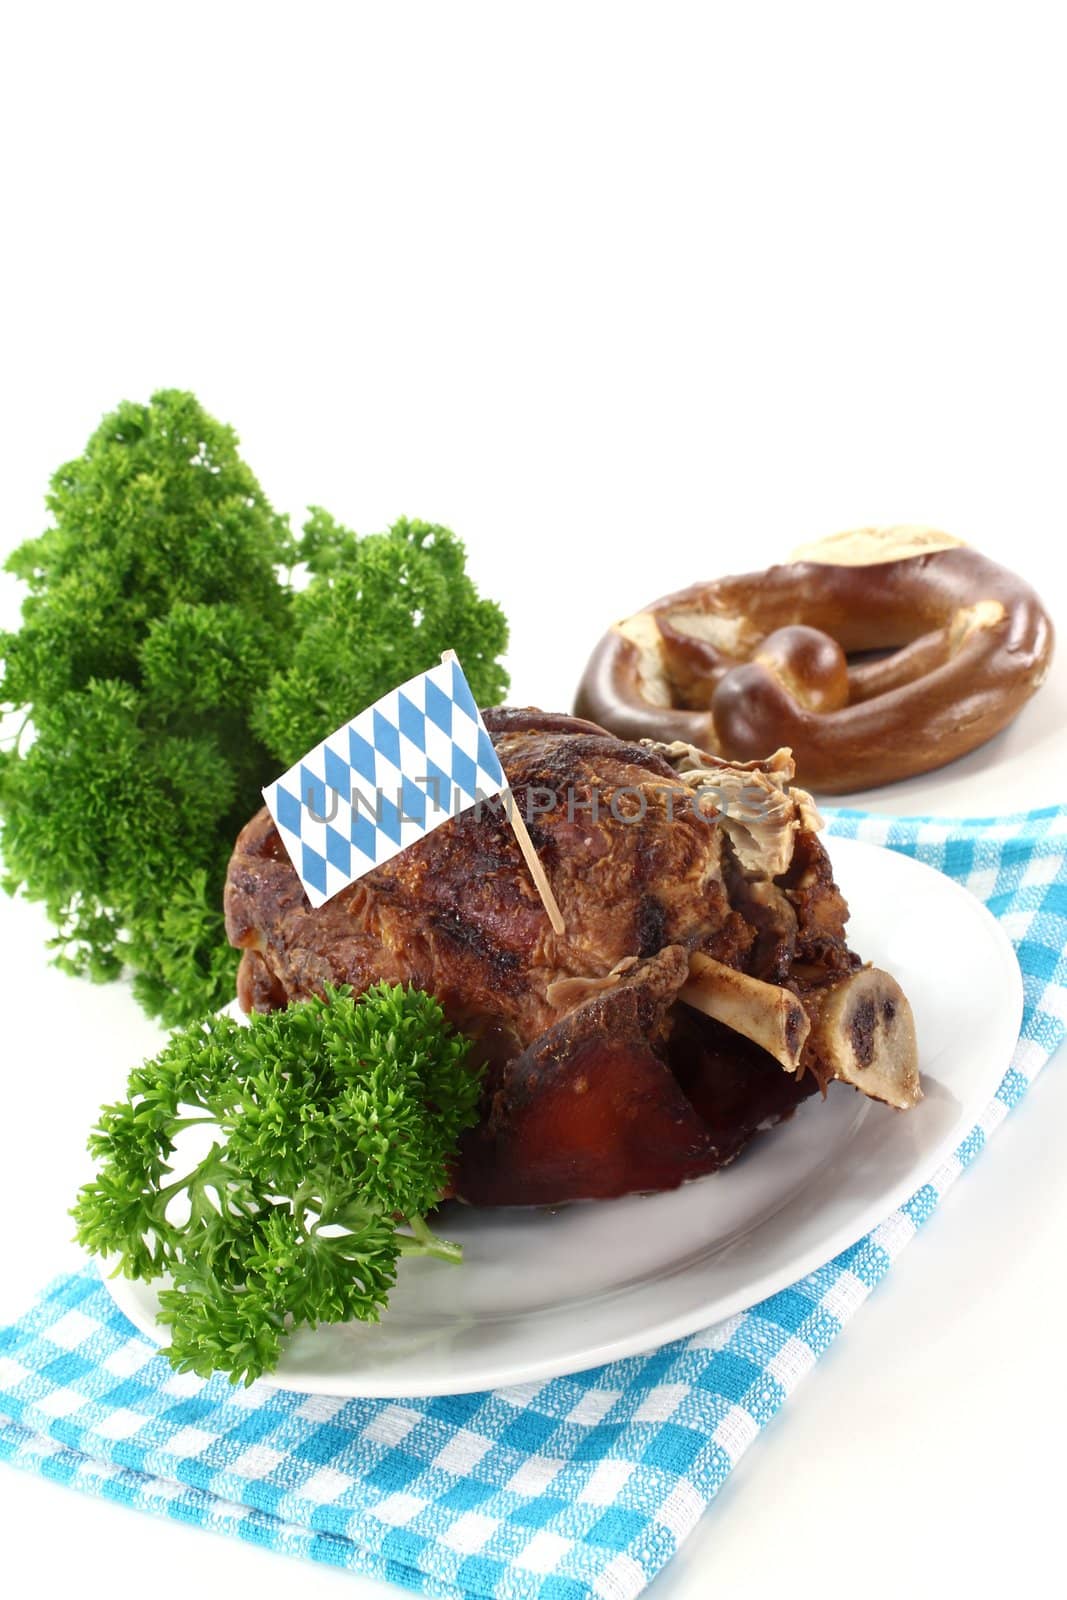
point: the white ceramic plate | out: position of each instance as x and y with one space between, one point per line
543 1293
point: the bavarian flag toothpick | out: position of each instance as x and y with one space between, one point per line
416 757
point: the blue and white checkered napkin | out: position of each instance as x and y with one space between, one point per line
579 1487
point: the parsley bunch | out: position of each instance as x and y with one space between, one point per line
179 647
329 1129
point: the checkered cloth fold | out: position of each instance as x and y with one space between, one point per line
579 1487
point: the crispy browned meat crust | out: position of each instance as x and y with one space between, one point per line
458 913
598 1083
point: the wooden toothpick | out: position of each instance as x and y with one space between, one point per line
526 844
533 861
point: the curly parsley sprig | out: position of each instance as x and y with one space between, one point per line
329 1129
169 664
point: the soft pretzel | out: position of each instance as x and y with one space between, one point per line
743 665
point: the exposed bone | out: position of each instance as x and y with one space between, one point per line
863 1032
770 1016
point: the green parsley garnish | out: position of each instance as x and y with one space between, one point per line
327 1131
179 648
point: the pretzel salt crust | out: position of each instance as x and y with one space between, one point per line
741 666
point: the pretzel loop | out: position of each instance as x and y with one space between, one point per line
950 646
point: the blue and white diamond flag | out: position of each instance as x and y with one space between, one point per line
398 770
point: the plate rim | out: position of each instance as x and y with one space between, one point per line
512 1371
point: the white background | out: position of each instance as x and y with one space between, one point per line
627 296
